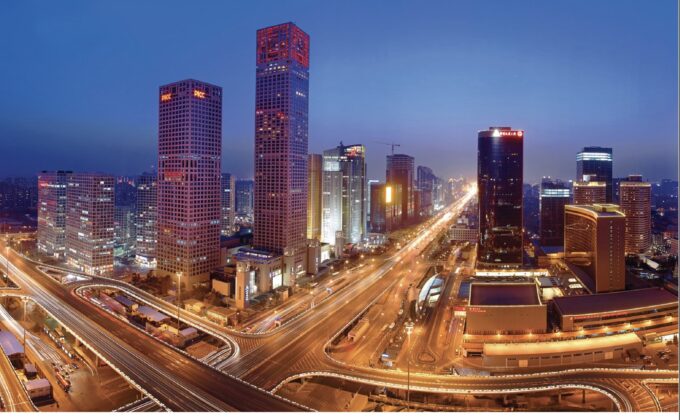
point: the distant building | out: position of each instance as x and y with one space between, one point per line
244 197
314 184
594 238
89 222
189 159
636 201
228 204
595 164
426 183
386 207
400 171
52 212
590 192
147 214
500 155
124 230
555 194
368 201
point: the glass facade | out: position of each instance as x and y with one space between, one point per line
595 164
499 181
555 194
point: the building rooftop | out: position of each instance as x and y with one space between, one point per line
504 294
564 346
152 314
124 301
616 301
9 344
37 384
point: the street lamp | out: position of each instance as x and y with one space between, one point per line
179 296
409 329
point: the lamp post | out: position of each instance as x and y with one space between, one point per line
409 330
179 296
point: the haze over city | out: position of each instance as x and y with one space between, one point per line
80 88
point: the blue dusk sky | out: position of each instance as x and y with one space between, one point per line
80 79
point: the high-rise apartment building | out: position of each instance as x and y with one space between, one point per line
147 213
500 155
635 199
314 184
89 222
594 239
595 164
555 194
400 170
589 192
51 235
281 136
189 158
228 204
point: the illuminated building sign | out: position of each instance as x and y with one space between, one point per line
166 97
353 151
388 194
607 157
556 192
508 133
199 94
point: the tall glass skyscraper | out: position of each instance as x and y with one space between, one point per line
595 164
400 170
555 194
52 212
500 155
189 159
281 135
147 213
350 193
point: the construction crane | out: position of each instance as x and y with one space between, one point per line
389 144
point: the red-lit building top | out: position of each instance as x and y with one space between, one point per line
282 42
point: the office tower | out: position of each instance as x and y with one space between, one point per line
244 197
89 222
386 207
555 194
281 135
314 183
368 202
595 164
426 185
400 171
147 212
189 155
636 201
228 204
350 162
594 240
331 201
499 181
51 236
124 234
589 192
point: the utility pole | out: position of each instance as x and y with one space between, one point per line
409 330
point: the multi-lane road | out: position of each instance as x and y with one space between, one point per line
261 362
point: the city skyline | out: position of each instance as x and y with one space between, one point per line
563 105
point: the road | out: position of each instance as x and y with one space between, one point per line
298 348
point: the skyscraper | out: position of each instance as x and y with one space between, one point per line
244 198
555 194
89 222
594 245
331 199
400 170
147 212
314 183
596 163
635 200
52 212
369 195
426 185
590 192
351 217
228 204
189 154
281 135
386 207
500 156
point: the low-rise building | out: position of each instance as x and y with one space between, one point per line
654 307
555 353
505 308
194 305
